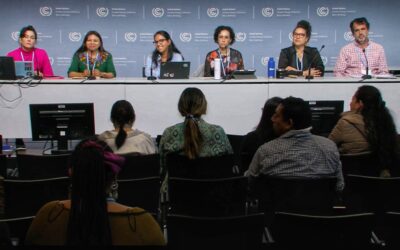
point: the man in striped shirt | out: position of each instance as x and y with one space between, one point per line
355 57
296 152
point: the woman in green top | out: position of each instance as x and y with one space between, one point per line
91 59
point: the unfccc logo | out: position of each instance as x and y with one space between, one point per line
348 36
240 36
102 12
291 36
15 35
130 37
324 59
51 59
212 12
74 36
323 11
45 11
267 12
158 12
264 60
185 37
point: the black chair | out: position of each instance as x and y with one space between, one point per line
13 231
3 166
25 197
360 164
303 231
233 233
236 143
140 192
42 166
140 166
201 168
208 197
392 229
298 195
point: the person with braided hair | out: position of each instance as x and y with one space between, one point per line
124 139
368 128
92 216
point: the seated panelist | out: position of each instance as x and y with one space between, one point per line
91 59
231 59
165 51
27 52
300 57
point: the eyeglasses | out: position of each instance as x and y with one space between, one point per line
31 37
299 34
159 41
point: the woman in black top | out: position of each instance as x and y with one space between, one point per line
299 56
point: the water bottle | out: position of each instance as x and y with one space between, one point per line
217 69
271 68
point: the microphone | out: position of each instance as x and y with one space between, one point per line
37 76
91 76
366 76
151 77
309 77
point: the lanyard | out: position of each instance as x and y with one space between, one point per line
33 58
228 59
299 64
88 61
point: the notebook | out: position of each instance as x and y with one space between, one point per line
7 68
175 70
23 69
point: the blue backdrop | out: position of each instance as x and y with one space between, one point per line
262 27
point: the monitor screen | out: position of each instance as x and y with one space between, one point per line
325 115
62 122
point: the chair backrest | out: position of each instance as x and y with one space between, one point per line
302 231
140 166
236 143
208 197
3 166
26 197
233 233
360 164
15 230
372 194
201 168
300 195
392 226
143 192
42 166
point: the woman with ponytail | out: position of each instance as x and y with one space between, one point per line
368 127
193 137
124 139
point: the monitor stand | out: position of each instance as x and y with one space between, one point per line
62 148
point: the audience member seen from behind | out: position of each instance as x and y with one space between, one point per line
193 137
354 57
27 52
264 132
299 56
231 59
165 51
91 59
92 217
296 152
368 127
124 139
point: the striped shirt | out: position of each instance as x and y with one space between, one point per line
298 153
351 60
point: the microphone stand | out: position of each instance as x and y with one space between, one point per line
309 76
151 77
366 76
37 76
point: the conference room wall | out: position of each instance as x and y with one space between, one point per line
262 27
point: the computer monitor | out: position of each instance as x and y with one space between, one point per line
325 115
62 122
7 68
175 70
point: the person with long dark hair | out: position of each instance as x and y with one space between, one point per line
91 59
165 51
27 52
124 139
263 132
92 216
193 137
299 56
231 59
368 127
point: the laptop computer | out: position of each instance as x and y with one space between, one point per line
23 69
244 74
175 70
7 68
